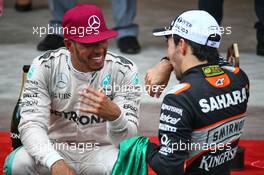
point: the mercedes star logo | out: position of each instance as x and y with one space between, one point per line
62 81
94 22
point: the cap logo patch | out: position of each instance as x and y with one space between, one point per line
94 23
184 22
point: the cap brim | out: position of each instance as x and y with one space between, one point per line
162 32
93 38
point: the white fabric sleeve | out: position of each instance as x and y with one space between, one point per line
35 116
128 99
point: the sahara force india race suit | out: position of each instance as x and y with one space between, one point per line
49 115
201 121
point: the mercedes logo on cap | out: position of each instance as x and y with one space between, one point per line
94 22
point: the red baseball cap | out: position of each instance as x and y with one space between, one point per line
85 23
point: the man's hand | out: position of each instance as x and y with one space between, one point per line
61 168
157 78
98 103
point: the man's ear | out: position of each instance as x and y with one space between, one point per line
183 46
68 44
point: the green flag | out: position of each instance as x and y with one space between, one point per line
132 157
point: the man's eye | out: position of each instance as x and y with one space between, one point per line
87 45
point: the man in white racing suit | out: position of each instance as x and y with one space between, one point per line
78 103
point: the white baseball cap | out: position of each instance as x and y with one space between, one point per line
195 25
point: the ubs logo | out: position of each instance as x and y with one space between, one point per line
61 81
94 22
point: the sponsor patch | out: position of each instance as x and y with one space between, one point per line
30 95
226 131
135 79
62 81
210 71
165 127
31 71
209 162
131 107
172 109
106 81
223 101
169 119
165 145
82 119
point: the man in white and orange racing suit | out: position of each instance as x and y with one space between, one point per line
79 102
202 118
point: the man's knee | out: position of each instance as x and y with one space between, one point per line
19 162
